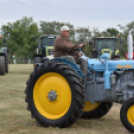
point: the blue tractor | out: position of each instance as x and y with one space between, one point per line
58 93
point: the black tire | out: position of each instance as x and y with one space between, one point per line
77 94
37 60
2 65
99 111
126 114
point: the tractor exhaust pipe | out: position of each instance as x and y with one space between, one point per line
130 45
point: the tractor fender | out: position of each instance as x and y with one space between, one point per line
68 62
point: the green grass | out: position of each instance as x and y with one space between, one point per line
15 119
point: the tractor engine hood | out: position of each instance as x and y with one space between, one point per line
97 65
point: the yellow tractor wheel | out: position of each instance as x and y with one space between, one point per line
127 114
89 106
54 95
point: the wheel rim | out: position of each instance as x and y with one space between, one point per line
52 95
89 106
130 115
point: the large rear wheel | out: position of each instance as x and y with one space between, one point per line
96 110
55 95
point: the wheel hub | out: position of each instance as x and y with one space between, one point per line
52 95
49 101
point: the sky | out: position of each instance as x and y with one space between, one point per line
101 14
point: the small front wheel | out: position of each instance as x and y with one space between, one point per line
127 114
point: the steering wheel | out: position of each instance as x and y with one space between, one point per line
78 49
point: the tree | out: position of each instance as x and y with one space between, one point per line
96 32
83 35
111 32
10 31
125 30
19 36
29 29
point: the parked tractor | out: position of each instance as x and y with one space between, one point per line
45 48
108 45
3 58
58 93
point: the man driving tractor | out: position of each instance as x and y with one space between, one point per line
64 48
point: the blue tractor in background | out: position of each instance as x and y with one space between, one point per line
58 93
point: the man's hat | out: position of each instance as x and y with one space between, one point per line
65 28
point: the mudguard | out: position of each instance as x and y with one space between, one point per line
72 65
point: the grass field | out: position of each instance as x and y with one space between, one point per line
15 119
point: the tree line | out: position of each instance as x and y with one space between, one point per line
20 33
